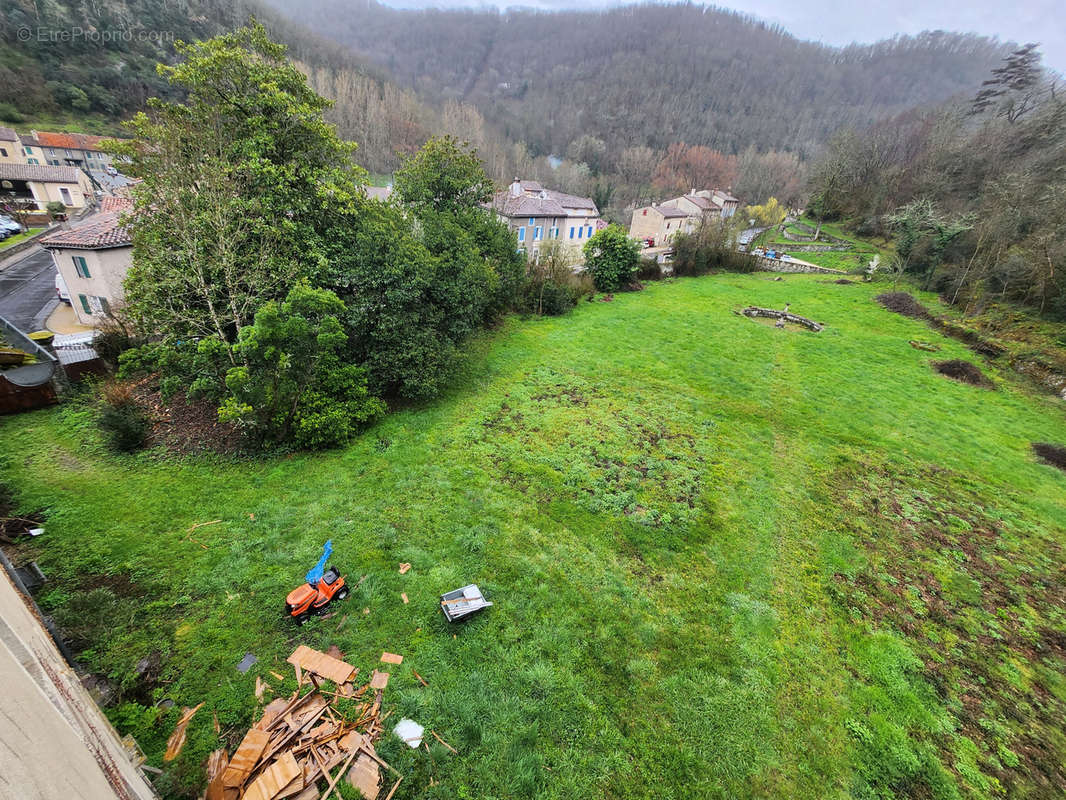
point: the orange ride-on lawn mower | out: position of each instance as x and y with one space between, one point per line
323 586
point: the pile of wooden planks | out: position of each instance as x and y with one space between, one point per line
300 741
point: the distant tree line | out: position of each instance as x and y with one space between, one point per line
973 192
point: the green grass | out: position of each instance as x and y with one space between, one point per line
11 241
728 561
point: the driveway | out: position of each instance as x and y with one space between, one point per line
28 290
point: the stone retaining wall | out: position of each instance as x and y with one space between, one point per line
777 265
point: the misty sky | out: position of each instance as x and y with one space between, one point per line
840 22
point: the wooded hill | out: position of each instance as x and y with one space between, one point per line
650 75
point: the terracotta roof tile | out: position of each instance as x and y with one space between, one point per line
70 141
98 232
108 204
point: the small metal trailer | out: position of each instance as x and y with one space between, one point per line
462 602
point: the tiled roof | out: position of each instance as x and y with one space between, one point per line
39 172
702 202
8 135
108 204
552 204
526 206
531 186
98 232
726 195
70 141
670 212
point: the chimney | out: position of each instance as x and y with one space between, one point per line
516 188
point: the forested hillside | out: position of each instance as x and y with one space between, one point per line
105 71
650 75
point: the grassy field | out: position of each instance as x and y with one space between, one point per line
11 241
852 260
728 561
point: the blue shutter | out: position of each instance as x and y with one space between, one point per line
521 234
571 232
580 231
531 220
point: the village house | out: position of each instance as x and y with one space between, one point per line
93 257
80 150
658 223
537 214
40 184
10 147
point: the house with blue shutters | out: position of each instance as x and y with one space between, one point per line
537 214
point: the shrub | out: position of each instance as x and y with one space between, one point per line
55 208
9 113
123 422
611 258
710 247
552 287
649 270
291 385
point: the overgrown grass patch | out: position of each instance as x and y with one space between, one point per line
726 562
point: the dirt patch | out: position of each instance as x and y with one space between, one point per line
905 304
182 425
963 371
1052 454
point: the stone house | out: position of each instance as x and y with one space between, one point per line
661 222
537 214
80 150
93 257
10 147
42 184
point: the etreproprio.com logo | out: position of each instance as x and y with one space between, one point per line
92 35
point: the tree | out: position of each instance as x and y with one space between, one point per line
588 149
684 168
291 384
1014 88
611 258
443 176
238 182
552 288
768 215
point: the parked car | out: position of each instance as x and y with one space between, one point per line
11 226
4 233
61 289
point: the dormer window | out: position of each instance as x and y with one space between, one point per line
531 221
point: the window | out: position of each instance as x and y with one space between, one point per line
27 151
589 231
555 233
32 161
571 232
537 233
85 304
64 192
531 220
81 267
99 305
521 234
105 307
580 231
645 213
3 152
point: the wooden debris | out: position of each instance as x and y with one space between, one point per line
201 524
260 687
246 758
277 675
403 596
274 778
404 567
216 767
437 737
365 775
335 652
300 741
218 728
420 678
177 738
321 664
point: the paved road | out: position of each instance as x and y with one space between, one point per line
28 290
